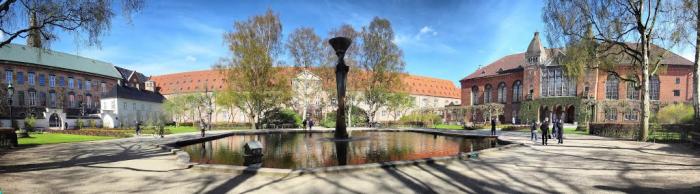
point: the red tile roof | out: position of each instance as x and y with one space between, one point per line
505 63
193 81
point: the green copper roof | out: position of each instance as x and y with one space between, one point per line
44 57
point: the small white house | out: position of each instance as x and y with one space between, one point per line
133 101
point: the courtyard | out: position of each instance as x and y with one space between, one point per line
584 164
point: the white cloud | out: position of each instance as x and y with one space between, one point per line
190 58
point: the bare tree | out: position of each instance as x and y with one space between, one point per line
305 47
381 59
327 70
604 35
687 14
39 20
252 72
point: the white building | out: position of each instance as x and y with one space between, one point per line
133 101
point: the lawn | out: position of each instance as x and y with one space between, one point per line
181 129
572 130
446 126
52 138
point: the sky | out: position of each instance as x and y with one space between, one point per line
443 39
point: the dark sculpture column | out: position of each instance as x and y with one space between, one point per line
340 45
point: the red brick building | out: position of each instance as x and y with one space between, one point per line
532 85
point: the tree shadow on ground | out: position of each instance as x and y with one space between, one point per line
232 183
409 181
639 189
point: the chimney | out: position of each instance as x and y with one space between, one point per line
34 37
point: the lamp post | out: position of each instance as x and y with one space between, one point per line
10 93
340 45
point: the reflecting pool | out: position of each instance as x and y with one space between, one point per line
294 150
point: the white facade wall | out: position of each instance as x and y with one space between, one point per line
120 112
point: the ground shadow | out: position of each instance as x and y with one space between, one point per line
639 189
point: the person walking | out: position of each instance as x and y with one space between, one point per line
555 127
533 131
311 124
560 133
545 130
303 123
138 128
493 127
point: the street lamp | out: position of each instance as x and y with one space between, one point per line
340 45
10 93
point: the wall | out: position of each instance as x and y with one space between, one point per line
127 112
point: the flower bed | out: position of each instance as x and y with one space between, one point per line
96 132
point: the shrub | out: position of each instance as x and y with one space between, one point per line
30 122
675 114
359 118
515 128
79 123
92 123
421 119
281 117
474 127
617 130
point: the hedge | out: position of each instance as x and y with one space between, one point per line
96 132
617 130
515 128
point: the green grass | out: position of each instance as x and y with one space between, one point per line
53 138
182 129
446 126
572 130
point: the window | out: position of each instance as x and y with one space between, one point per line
124 103
20 78
678 81
474 96
42 99
20 98
632 93
631 115
556 83
88 85
133 106
30 78
62 81
487 94
32 98
80 84
517 91
71 83
8 76
52 99
52 81
611 114
103 87
42 80
502 92
654 87
88 100
676 93
611 87
71 101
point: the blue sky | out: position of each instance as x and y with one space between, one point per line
444 39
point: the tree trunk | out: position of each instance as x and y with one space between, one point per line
696 70
644 122
350 114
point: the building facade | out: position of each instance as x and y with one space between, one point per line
533 85
134 100
56 88
308 96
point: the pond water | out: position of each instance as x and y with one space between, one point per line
295 150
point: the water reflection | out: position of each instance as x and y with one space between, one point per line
308 150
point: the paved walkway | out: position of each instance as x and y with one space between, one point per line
584 164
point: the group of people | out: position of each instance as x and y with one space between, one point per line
308 122
557 131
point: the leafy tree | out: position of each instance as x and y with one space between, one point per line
398 104
252 72
327 70
38 20
675 114
227 101
305 48
381 59
603 35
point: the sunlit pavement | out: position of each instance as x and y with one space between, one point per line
583 164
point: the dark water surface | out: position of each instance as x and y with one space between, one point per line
294 150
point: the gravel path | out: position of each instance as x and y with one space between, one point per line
584 164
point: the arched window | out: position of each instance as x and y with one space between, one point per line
517 91
502 92
654 84
632 93
475 96
611 87
487 93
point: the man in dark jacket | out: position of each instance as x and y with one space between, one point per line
560 133
493 126
533 131
545 130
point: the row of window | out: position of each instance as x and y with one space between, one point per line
31 80
556 83
630 115
502 93
612 88
33 98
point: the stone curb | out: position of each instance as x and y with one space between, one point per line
183 158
